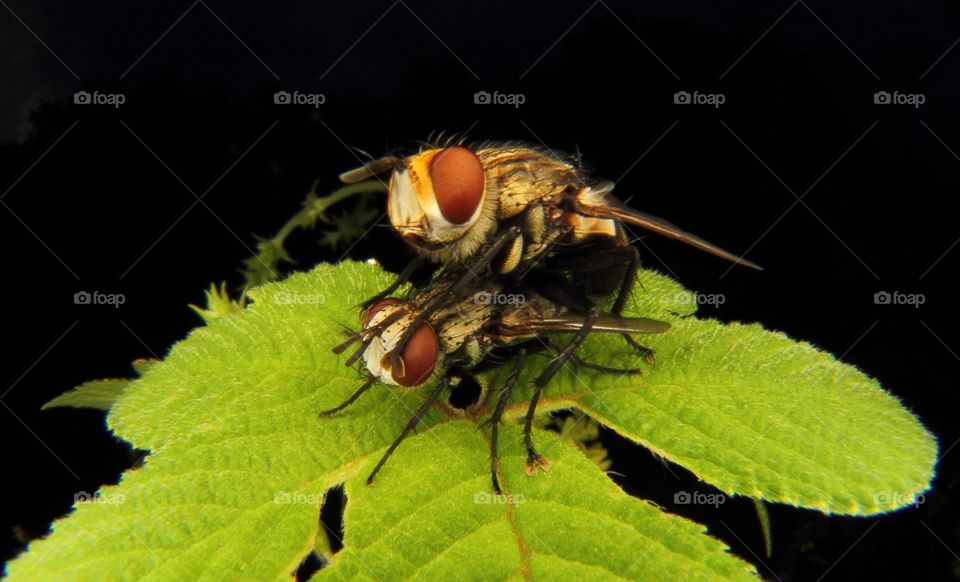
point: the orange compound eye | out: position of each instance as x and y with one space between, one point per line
457 177
375 309
419 358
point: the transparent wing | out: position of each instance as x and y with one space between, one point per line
598 202
528 327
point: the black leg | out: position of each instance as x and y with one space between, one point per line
629 280
484 260
368 336
564 355
535 459
648 354
352 399
605 257
578 362
410 426
626 287
498 414
339 348
453 291
402 278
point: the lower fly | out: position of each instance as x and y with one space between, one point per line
462 333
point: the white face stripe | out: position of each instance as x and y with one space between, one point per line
413 212
384 342
402 204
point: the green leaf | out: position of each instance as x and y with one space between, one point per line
753 412
433 520
99 394
219 303
240 463
141 365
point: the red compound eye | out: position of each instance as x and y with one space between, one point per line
457 177
419 357
375 309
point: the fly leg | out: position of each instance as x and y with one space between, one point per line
578 362
366 336
402 278
609 256
535 459
453 292
410 426
352 399
626 286
498 414
479 265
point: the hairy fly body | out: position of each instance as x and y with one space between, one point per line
462 333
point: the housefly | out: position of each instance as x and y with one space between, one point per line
448 202
463 333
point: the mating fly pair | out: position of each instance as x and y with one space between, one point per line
505 215
514 211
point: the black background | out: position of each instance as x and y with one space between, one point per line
102 198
